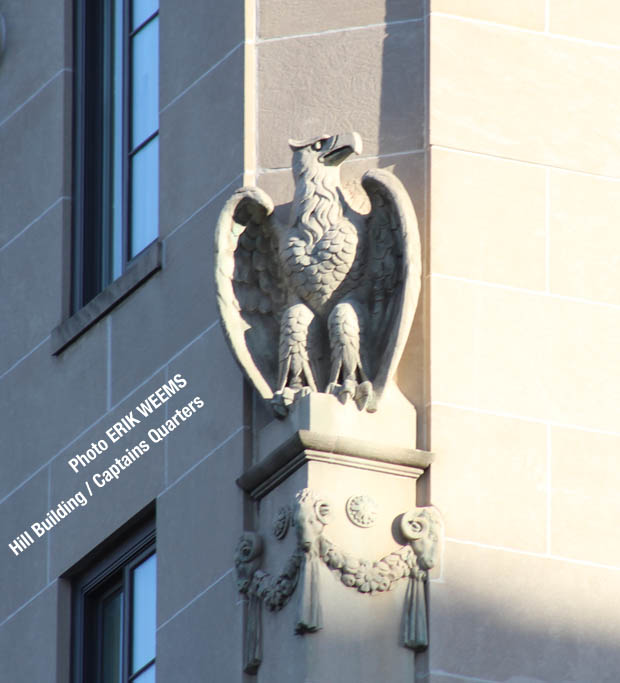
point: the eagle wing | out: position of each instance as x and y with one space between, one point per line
250 292
394 270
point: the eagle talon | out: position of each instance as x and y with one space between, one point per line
363 395
333 388
300 393
281 401
288 396
347 391
280 410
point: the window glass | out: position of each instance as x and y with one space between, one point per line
141 11
144 582
145 53
145 196
116 172
112 615
116 119
147 676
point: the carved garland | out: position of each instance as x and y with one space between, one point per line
309 516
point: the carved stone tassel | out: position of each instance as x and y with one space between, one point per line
247 560
310 617
253 644
416 625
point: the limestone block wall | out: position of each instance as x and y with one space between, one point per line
52 407
329 67
500 118
524 332
236 80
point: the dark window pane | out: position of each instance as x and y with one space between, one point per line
147 676
111 645
143 609
144 197
116 135
145 70
142 10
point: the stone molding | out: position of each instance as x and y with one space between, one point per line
146 264
308 446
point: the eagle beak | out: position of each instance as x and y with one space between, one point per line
339 147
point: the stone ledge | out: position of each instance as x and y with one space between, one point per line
143 266
306 446
319 428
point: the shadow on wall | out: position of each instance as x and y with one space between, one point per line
507 617
495 616
401 140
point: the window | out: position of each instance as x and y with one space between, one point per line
115 616
116 139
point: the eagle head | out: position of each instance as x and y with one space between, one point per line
316 168
323 155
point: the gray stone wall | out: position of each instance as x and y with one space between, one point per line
235 82
525 321
524 318
52 407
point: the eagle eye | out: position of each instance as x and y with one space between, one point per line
318 145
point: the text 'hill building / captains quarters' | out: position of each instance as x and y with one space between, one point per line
258 262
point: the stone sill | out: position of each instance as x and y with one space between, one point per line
143 266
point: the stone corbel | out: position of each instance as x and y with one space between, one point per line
309 515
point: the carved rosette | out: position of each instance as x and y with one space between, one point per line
362 511
309 515
281 522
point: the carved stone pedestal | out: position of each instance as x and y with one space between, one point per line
335 571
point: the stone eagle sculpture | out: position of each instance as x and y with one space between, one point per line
325 303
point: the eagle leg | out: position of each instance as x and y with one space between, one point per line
295 374
345 338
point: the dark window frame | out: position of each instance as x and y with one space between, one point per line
111 571
91 251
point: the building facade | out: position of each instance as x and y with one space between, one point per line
500 118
